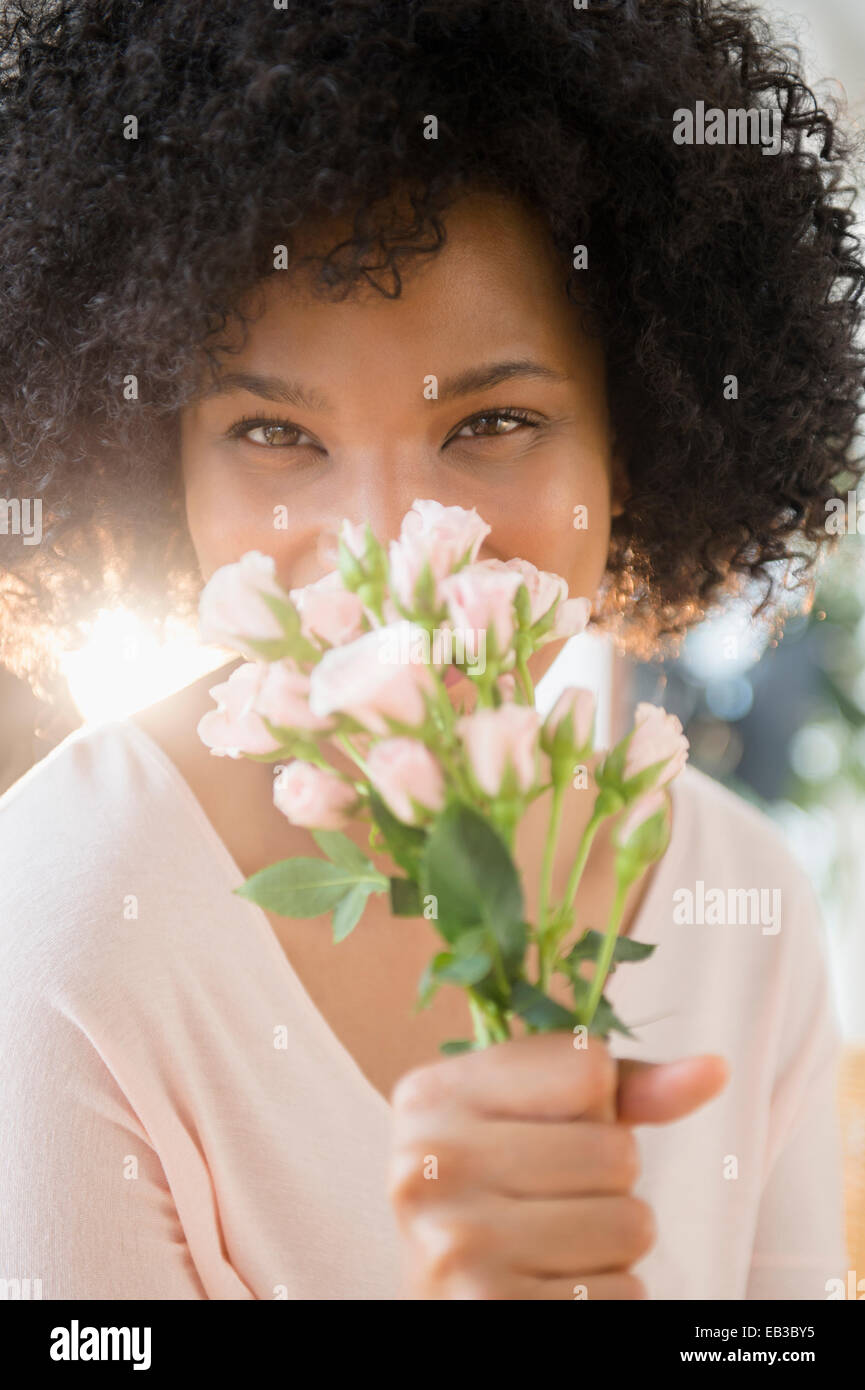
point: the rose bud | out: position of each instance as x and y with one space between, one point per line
482 599
571 718
657 737
500 739
231 608
367 680
256 691
329 611
403 770
569 620
311 796
443 536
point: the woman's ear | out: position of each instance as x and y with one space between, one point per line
620 486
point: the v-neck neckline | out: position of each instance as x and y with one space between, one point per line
642 927
231 870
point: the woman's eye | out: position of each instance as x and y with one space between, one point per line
281 434
268 434
494 423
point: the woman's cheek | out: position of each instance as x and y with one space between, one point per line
228 515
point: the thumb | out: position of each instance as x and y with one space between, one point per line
657 1092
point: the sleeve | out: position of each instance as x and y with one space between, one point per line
85 1208
799 1249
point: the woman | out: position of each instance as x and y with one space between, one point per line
268 268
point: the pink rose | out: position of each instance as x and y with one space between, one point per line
570 619
480 598
329 611
311 796
375 677
543 587
657 737
441 535
231 608
404 768
580 704
642 809
253 690
496 739
283 698
354 537
234 727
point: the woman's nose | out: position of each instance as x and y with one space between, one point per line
383 502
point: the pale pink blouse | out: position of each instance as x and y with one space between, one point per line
177 1120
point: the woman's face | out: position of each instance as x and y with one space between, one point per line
355 409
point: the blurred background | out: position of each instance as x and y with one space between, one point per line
781 722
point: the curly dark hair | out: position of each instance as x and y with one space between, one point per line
129 257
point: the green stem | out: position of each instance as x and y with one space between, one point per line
526 679
498 1024
482 1034
443 706
490 1025
451 763
345 742
602 966
582 855
546 880
504 816
484 686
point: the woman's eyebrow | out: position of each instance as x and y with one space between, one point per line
478 378
270 388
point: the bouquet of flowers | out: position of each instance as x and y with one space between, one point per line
362 661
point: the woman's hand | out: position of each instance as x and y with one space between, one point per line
512 1168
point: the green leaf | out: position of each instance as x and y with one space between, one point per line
536 1008
349 911
447 968
405 842
644 845
591 941
473 940
425 590
279 755
284 611
342 851
628 949
293 743
350 568
270 648
523 606
405 899
466 970
305 887
605 1021
457 1045
468 867
429 980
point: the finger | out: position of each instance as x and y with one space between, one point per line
513 1159
543 1237
619 1286
658 1092
540 1077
